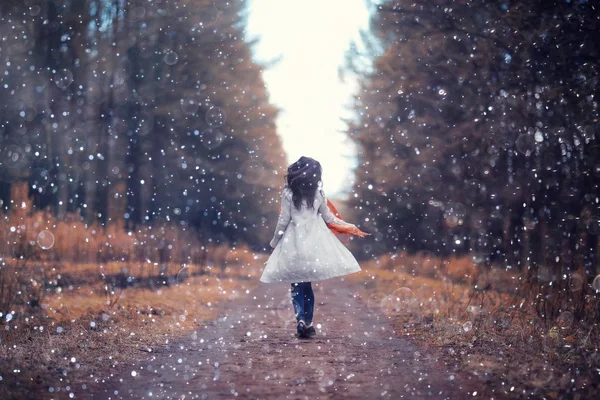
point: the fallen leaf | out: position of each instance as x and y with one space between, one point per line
570 339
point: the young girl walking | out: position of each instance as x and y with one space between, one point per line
305 248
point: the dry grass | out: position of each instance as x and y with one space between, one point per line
76 308
83 340
74 312
486 324
29 234
81 335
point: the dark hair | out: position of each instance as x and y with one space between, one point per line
303 178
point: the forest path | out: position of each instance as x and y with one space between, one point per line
251 352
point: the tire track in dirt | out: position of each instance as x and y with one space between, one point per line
251 352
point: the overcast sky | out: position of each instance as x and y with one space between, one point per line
312 37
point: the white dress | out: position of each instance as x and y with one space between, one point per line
305 250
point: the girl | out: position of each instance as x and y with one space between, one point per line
305 249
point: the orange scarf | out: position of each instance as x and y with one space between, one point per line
338 230
343 229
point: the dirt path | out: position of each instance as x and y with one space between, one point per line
251 352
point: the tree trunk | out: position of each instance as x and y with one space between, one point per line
133 158
5 188
534 253
157 170
102 163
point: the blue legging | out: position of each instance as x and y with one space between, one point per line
303 300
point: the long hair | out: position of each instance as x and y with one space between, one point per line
303 178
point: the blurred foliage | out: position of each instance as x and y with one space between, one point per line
477 127
137 112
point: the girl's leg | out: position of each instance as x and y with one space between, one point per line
298 300
309 303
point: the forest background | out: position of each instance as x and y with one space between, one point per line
138 150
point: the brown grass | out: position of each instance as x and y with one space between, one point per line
102 296
37 235
81 335
99 297
484 322
83 339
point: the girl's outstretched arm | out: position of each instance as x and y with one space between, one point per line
328 215
336 224
285 215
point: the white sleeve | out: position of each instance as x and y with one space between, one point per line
328 215
285 216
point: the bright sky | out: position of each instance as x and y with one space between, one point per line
312 37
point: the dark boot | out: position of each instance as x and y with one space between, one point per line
302 330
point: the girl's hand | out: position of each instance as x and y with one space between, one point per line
349 229
359 233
